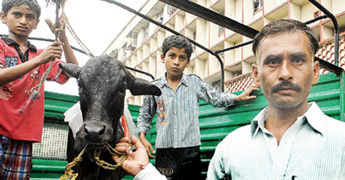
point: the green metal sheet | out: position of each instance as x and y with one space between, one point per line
55 104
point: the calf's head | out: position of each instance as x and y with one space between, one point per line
102 86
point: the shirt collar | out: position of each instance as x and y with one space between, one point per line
258 123
164 81
11 42
313 116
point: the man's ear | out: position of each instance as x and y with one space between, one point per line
316 72
255 72
162 58
3 18
188 63
37 22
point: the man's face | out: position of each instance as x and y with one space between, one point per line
176 60
286 70
20 20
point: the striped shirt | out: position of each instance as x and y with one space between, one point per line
312 148
178 112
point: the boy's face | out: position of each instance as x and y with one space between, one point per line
176 60
20 20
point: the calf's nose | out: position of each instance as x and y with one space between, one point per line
94 132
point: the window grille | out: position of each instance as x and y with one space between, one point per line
257 4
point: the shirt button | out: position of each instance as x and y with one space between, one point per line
175 131
174 112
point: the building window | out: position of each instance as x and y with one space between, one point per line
145 32
341 29
160 18
124 51
316 14
193 38
221 29
257 4
134 39
171 9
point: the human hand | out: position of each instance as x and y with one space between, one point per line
136 161
53 51
245 95
60 29
147 145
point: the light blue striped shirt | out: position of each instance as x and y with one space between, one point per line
178 112
313 148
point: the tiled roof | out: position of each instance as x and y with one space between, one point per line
326 52
239 84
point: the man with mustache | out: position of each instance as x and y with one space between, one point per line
291 138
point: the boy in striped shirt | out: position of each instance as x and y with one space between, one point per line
178 134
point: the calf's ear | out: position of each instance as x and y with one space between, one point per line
71 69
139 86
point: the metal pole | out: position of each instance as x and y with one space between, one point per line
211 16
336 29
222 72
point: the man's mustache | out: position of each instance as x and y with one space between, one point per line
285 85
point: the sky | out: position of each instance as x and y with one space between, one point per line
95 22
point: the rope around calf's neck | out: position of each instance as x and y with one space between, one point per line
70 174
113 152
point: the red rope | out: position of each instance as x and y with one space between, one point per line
125 126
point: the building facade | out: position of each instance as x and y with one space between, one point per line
138 45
